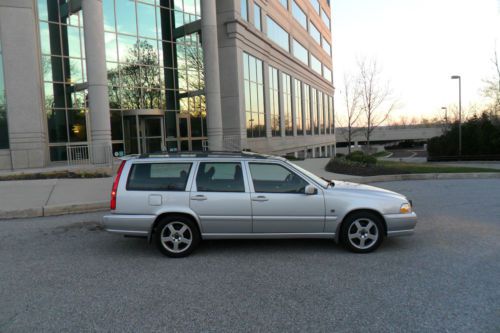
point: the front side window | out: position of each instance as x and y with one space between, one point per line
274 178
158 177
220 177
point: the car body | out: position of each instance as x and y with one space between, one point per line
246 195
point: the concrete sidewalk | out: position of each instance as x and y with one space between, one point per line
32 198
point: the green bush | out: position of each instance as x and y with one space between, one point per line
360 157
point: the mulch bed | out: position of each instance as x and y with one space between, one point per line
356 169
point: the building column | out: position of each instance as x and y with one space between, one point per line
210 46
98 98
21 65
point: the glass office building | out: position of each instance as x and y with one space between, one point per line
273 89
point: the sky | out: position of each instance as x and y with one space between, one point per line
419 44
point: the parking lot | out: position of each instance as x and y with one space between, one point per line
66 274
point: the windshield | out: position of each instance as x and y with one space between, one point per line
311 175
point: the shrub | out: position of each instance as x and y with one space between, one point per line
360 157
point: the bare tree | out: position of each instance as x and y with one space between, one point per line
352 98
492 86
376 97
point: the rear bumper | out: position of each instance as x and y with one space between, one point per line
131 225
400 224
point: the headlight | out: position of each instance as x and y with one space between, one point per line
405 208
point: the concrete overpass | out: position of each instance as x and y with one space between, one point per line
385 134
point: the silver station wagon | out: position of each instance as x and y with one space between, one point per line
177 200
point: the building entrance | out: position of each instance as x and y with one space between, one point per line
144 133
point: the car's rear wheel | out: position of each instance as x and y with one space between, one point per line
176 236
362 232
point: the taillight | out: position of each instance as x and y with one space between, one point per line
112 204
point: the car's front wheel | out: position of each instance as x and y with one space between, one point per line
176 236
362 232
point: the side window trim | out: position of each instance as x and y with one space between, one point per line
131 168
246 182
250 179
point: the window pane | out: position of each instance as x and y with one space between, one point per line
327 73
125 17
299 14
158 177
253 83
273 178
244 9
287 103
277 34
314 32
325 18
220 177
284 3
274 101
109 15
256 17
315 64
326 46
315 4
146 20
77 125
300 52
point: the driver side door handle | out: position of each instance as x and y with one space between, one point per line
260 198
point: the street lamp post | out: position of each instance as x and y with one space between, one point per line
445 114
457 77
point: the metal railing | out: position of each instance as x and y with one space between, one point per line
84 154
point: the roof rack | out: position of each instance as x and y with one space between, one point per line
205 154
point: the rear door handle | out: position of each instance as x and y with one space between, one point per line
199 197
260 198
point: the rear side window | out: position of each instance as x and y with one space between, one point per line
158 177
220 177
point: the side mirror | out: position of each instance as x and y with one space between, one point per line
310 190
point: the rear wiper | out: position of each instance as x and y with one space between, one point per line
330 182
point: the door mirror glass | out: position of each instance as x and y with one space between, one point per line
310 190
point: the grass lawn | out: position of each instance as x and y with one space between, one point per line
430 168
343 166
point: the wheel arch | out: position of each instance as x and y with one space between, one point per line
185 214
360 210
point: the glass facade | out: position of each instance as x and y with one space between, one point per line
4 133
277 34
314 110
254 96
298 107
148 68
307 109
274 101
287 102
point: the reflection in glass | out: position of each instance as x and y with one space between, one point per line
307 109
277 34
298 107
287 103
274 101
254 96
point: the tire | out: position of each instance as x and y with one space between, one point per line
176 236
362 232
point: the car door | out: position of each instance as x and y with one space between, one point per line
221 198
279 203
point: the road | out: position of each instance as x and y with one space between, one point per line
66 274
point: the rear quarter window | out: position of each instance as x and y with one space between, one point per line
158 177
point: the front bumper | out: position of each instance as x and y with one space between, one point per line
131 225
400 224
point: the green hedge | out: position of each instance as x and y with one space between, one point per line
480 137
360 157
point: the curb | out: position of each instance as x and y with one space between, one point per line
425 176
54 210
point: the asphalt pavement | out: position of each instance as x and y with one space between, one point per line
65 274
